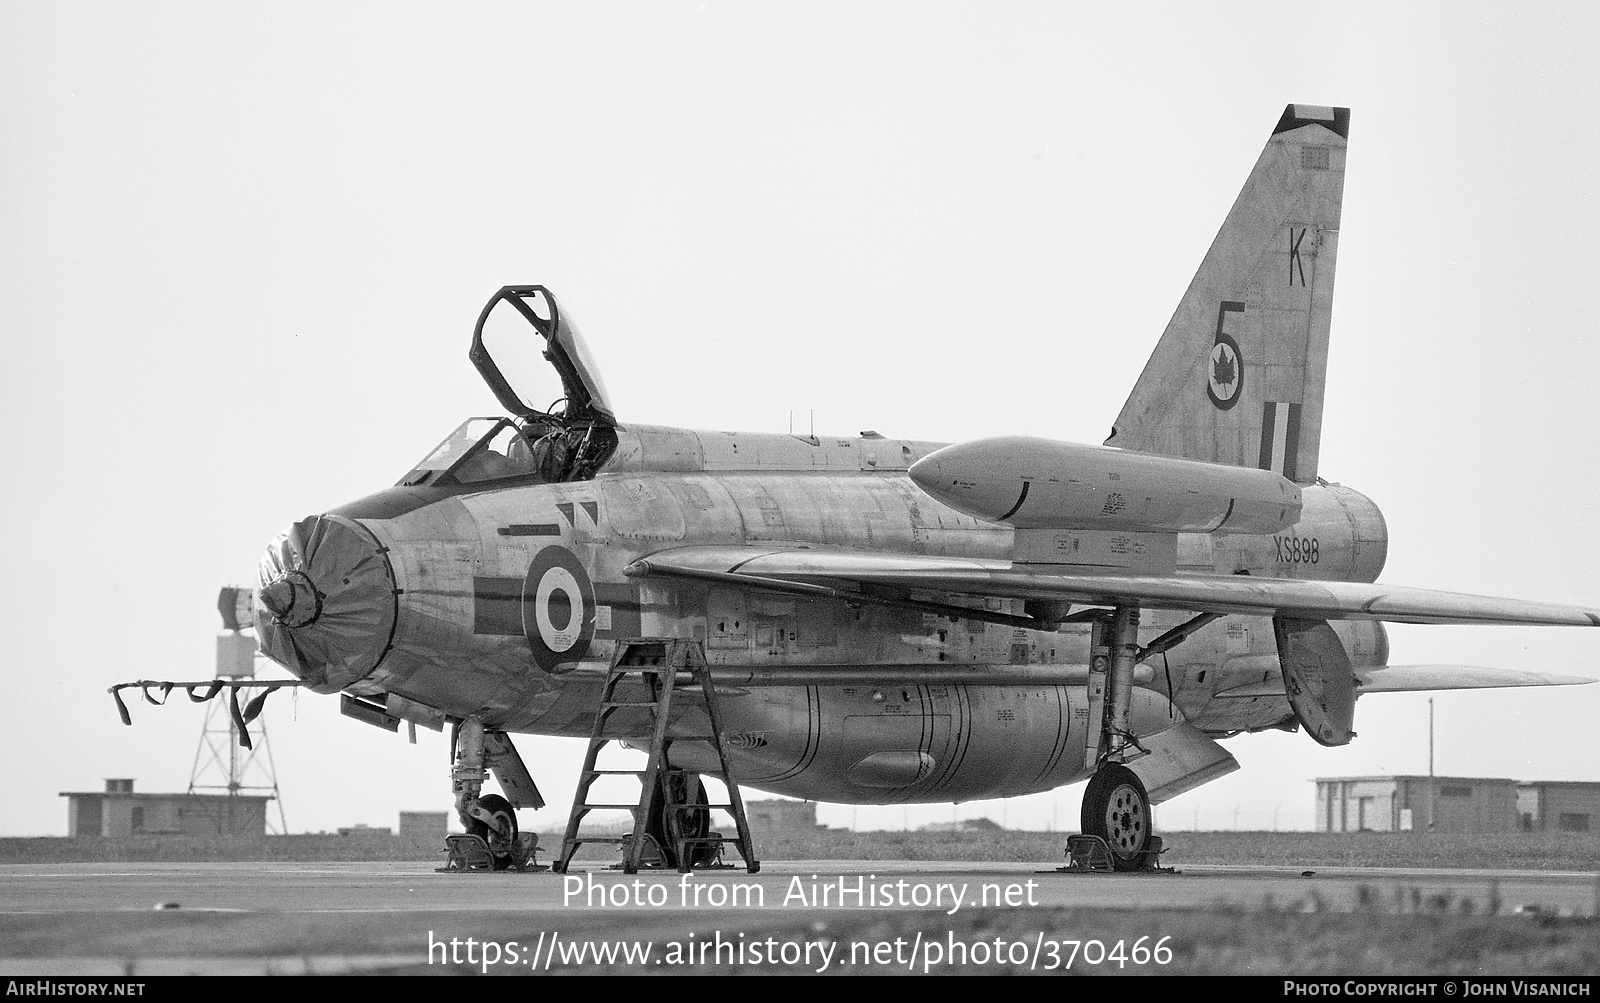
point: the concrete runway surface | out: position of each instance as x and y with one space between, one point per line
259 918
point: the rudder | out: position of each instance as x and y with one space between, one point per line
1238 375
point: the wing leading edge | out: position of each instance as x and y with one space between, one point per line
845 573
1421 679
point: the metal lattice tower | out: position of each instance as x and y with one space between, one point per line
221 764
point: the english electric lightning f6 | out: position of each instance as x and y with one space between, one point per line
889 620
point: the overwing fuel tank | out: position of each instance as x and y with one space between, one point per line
1035 483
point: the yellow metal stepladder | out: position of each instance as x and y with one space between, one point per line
672 817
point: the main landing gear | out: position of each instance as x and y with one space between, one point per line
673 816
1116 807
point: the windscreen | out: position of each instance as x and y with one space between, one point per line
482 449
456 445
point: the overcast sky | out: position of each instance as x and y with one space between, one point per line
242 247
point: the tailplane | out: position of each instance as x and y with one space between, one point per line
1238 375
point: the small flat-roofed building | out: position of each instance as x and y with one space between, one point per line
118 811
1559 806
1417 804
978 824
424 825
774 815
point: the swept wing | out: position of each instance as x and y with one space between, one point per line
841 573
1422 679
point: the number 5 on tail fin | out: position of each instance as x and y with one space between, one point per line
1238 375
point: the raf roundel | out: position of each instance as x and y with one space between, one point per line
1224 372
557 609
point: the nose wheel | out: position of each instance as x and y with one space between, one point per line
501 842
1117 809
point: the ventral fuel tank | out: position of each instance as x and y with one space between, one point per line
1044 484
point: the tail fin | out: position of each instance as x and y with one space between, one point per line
1238 375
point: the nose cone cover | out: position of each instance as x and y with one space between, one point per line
326 606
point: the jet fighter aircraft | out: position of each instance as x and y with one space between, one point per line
891 620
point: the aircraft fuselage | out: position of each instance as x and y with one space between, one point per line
509 602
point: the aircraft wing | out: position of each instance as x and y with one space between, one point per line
1422 678
842 573
1417 678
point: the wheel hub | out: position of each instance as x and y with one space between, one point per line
1125 820
500 841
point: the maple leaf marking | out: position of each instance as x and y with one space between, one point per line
1222 369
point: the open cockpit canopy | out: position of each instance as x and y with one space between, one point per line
521 336
536 363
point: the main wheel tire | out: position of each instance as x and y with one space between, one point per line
500 845
687 788
699 826
1117 809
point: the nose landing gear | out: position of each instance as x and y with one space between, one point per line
499 832
491 818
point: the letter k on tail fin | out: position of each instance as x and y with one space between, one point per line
1238 375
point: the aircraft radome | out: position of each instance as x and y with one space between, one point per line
887 620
